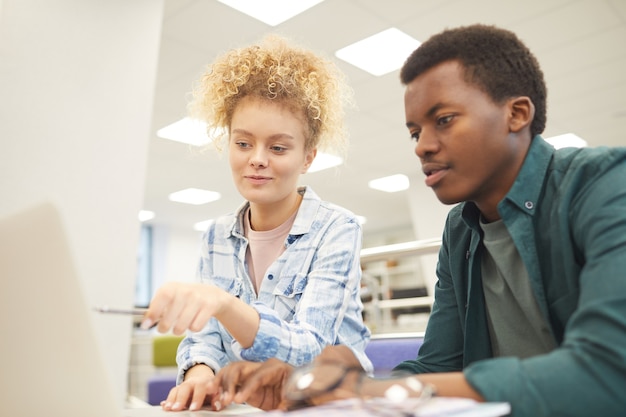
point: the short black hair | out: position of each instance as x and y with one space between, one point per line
495 60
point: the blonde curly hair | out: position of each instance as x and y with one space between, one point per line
278 70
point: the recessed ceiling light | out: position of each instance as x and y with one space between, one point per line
145 215
324 161
390 184
381 53
187 130
203 225
567 140
272 12
194 196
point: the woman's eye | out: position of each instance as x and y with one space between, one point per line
242 144
278 149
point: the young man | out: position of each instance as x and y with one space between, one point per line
530 304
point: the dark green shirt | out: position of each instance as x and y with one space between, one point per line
566 213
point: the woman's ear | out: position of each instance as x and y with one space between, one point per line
308 159
522 113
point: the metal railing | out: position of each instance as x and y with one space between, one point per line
380 306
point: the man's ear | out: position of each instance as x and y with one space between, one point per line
522 113
308 159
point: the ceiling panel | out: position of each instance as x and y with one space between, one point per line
580 45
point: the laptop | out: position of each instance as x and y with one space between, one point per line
50 361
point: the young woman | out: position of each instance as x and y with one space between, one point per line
280 277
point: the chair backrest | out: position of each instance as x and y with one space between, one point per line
386 352
164 349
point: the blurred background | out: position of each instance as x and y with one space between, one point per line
90 88
579 43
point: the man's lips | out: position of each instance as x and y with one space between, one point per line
434 173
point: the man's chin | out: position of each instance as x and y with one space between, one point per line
447 199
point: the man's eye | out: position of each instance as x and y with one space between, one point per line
278 149
415 136
444 120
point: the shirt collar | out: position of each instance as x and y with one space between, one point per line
301 225
527 186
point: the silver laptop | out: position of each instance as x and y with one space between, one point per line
50 360
50 364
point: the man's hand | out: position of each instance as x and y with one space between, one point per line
259 384
334 376
339 354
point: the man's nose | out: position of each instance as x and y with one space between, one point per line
426 144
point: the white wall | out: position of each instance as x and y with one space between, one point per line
175 255
76 90
427 223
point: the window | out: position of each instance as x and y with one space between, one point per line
143 281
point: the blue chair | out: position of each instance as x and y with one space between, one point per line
387 351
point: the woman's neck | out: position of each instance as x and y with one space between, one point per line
268 217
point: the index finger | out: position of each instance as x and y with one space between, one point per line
162 298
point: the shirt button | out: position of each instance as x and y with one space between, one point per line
529 205
270 277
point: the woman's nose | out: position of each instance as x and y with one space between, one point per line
258 158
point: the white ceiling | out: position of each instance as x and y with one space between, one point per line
581 46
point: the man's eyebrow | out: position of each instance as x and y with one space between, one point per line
429 113
434 109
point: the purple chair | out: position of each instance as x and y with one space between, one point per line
387 351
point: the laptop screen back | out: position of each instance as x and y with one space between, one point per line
50 363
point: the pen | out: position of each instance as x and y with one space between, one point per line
130 311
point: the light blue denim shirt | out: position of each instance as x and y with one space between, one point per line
309 297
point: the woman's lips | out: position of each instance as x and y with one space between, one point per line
258 179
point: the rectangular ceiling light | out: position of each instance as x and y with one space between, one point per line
381 53
324 161
187 130
145 215
194 196
567 140
390 184
271 12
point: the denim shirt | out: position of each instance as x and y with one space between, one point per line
309 297
566 213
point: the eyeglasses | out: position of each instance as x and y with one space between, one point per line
403 397
399 399
312 381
